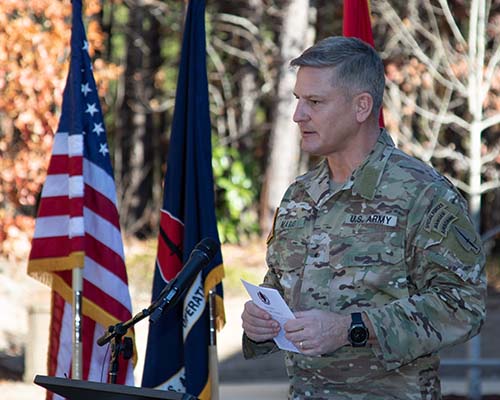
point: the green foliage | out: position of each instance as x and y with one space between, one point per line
235 193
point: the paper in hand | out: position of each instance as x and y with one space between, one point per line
271 301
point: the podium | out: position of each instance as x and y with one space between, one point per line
73 389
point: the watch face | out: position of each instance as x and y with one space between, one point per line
358 334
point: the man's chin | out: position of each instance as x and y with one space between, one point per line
309 149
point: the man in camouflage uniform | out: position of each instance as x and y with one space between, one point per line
370 231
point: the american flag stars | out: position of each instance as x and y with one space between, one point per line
86 89
98 128
103 148
91 109
90 93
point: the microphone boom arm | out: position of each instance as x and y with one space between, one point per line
199 258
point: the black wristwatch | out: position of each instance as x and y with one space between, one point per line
358 332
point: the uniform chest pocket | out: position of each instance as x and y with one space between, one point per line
286 255
376 256
375 247
372 270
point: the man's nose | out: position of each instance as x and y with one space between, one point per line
300 113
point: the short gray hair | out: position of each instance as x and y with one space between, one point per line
357 66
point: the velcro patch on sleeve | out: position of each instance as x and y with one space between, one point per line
466 239
440 219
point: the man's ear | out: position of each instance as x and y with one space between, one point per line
364 106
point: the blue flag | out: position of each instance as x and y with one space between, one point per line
177 349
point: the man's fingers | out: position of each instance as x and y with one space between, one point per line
258 324
260 333
259 329
295 325
297 336
256 311
250 320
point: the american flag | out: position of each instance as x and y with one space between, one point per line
78 225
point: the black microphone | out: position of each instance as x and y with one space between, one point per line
199 258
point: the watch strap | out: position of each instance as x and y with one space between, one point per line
357 318
357 324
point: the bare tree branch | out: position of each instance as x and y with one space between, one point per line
434 134
450 154
444 119
451 22
490 234
251 33
444 53
463 72
492 155
459 184
492 185
216 96
237 20
245 55
226 87
490 71
488 122
407 38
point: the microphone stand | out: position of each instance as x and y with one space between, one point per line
115 333
118 345
169 296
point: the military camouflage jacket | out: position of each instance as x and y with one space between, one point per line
396 243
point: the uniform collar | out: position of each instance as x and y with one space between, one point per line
365 179
368 175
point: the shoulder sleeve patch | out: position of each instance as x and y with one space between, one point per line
440 218
466 239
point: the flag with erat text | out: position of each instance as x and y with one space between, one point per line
178 343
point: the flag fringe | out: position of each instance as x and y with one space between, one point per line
37 268
207 390
220 313
213 278
90 309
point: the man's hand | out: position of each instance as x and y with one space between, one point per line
317 332
258 324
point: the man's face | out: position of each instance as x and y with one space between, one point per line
325 115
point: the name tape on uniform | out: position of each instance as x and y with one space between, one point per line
291 223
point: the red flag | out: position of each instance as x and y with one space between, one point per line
78 226
357 23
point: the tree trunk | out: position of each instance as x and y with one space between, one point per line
476 63
285 139
137 130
